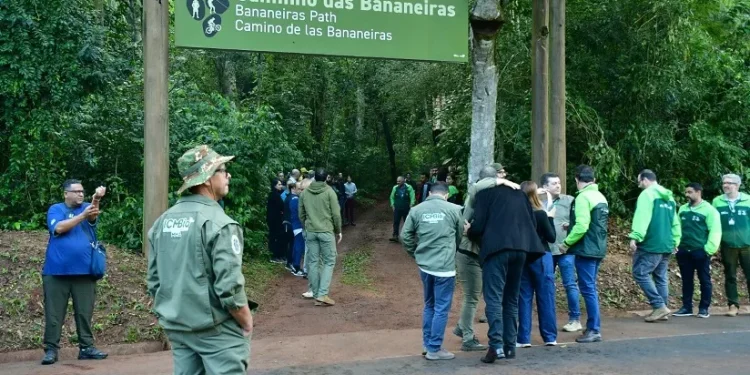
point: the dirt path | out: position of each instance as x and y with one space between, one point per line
393 302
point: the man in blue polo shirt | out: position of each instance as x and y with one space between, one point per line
67 270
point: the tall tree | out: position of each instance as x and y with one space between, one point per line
557 148
539 89
486 20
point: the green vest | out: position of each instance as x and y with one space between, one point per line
195 265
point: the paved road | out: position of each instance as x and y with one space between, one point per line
682 346
717 353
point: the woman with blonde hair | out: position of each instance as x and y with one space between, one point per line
538 277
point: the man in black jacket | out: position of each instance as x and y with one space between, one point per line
504 222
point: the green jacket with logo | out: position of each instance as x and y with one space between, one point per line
587 232
701 228
319 209
195 265
402 199
735 223
438 225
656 226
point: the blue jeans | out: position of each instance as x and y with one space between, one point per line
299 250
588 270
438 295
538 277
650 273
566 263
501 282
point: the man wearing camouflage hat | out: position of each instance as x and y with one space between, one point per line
195 272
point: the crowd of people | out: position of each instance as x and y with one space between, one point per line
504 243
507 240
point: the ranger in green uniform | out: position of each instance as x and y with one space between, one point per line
195 273
655 236
701 233
734 209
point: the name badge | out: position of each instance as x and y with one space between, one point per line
731 221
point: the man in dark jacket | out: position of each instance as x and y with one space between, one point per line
505 223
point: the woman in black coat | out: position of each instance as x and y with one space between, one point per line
274 220
538 278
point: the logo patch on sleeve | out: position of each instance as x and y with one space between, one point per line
236 247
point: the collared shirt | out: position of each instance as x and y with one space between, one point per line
68 253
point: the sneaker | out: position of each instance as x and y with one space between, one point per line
50 357
298 273
472 346
304 274
290 268
733 311
352 224
658 314
519 345
458 332
483 319
683 311
703 313
441 354
589 336
308 294
91 353
509 352
394 239
325 300
573 326
277 261
424 351
493 355
550 343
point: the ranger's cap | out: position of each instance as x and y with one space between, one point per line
197 165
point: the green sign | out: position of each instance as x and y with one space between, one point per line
407 29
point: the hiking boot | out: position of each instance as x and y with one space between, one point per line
493 355
658 314
733 311
683 311
472 346
703 313
50 357
441 354
589 336
573 326
325 300
91 353
519 345
483 319
308 294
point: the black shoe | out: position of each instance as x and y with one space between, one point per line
683 312
91 353
352 224
703 313
483 319
50 357
394 239
492 355
509 351
458 332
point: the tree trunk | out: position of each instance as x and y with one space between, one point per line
389 147
225 70
539 89
486 21
557 148
360 127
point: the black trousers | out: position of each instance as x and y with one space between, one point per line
501 284
691 262
57 291
399 214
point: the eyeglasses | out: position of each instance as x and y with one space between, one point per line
75 191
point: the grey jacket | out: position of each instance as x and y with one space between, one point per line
562 216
